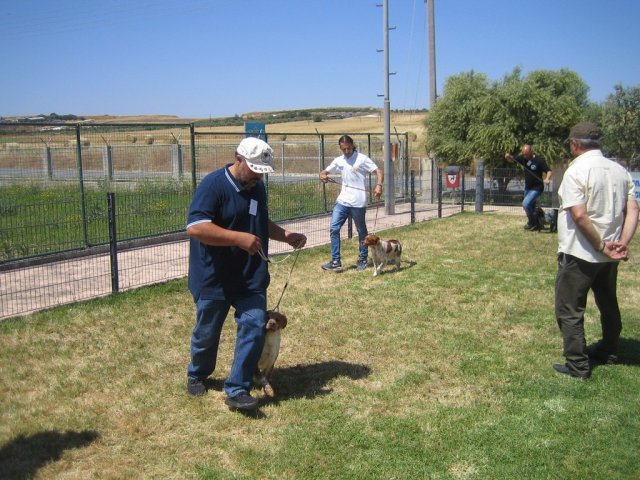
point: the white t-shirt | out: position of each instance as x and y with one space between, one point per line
604 187
354 172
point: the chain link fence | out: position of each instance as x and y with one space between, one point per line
60 237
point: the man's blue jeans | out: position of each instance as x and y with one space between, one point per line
529 205
250 317
340 215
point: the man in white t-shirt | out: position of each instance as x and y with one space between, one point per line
352 201
597 219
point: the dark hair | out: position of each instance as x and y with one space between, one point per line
345 139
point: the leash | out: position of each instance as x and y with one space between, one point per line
286 284
376 220
272 262
331 180
525 169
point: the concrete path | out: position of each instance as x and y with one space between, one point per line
31 289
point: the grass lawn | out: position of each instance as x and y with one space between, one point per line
36 221
439 371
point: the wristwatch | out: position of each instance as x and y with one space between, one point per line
602 245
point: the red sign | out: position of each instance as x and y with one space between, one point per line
452 180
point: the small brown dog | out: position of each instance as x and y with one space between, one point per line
275 322
383 252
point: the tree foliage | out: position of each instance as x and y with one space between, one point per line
620 119
478 119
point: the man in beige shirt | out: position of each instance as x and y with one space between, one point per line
597 220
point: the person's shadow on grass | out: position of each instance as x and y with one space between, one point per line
22 457
629 351
309 381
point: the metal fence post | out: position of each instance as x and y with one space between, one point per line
462 197
434 179
321 162
282 153
83 207
480 186
412 196
192 134
439 192
113 241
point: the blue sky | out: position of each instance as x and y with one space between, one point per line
201 58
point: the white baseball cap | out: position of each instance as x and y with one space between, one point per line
257 153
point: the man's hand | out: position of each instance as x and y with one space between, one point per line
296 240
248 242
616 251
324 177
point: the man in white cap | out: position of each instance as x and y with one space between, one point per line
597 220
229 225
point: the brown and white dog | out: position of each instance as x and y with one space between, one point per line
275 322
383 252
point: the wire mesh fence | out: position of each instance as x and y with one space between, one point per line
56 245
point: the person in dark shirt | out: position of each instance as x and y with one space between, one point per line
229 229
537 174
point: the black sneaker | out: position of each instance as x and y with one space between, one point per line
243 401
362 265
564 370
196 387
333 266
528 226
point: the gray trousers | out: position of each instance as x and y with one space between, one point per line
574 280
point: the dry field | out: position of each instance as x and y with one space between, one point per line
402 122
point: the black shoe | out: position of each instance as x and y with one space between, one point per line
333 266
564 370
362 265
528 226
598 357
196 387
243 401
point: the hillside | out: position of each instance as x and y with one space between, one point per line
329 120
402 122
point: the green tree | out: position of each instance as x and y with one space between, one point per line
475 119
621 123
450 121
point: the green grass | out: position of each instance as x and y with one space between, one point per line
440 371
35 221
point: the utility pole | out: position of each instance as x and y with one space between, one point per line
389 193
432 52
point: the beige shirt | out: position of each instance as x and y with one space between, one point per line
604 187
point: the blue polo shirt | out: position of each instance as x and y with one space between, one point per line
217 273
